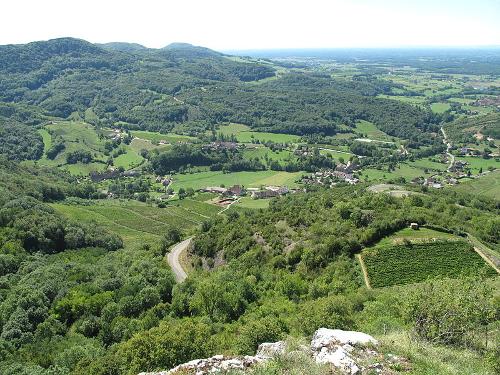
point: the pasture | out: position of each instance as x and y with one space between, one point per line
369 130
440 107
138 223
246 178
157 137
244 134
487 185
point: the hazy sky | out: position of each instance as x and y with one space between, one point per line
236 24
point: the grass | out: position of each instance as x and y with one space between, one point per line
389 265
248 202
261 153
157 137
129 160
488 185
428 164
421 235
244 134
440 107
138 223
247 179
475 163
47 139
402 170
371 131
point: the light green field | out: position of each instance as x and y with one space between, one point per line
128 160
233 128
371 131
461 100
138 223
47 139
336 155
423 234
404 99
245 135
440 107
248 202
157 137
80 169
247 179
428 164
403 170
488 185
261 153
475 163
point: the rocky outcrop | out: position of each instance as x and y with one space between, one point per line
220 363
350 352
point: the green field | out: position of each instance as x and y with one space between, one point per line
248 179
157 137
421 235
488 185
138 223
248 202
416 262
440 107
128 160
244 134
402 170
47 139
261 153
371 131
475 163
428 164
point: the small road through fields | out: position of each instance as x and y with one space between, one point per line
365 272
173 259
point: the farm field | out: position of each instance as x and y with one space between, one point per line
157 137
440 107
487 185
244 134
405 264
261 153
428 164
371 131
77 135
248 179
248 202
475 163
128 160
420 235
402 170
138 223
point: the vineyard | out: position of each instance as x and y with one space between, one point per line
411 263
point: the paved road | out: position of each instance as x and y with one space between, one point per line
448 147
173 260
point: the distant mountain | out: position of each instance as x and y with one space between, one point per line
16 58
123 46
188 50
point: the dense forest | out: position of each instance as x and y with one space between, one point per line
190 89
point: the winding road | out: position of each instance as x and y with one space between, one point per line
173 259
448 147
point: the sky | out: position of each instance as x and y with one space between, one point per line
256 24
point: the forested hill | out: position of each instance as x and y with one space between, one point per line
190 89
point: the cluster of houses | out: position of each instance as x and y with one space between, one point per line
330 177
237 191
436 181
222 145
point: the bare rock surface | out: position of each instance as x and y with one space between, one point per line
349 352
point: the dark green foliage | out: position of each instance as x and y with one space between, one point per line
20 142
137 87
451 312
410 263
